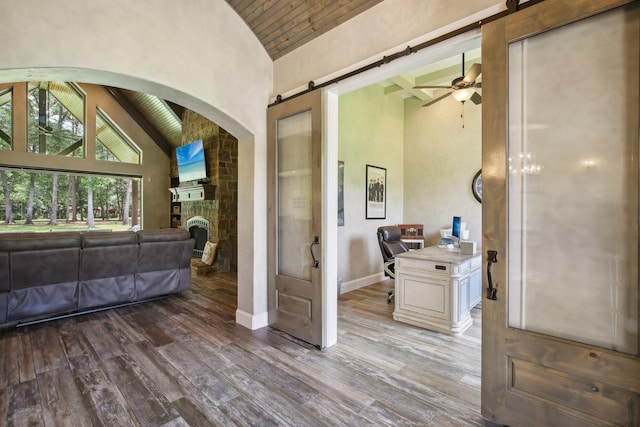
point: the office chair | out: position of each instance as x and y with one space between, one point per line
390 246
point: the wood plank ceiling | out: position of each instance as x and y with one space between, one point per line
284 25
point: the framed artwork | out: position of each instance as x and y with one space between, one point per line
376 192
476 186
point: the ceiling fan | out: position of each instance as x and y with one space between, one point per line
57 133
462 88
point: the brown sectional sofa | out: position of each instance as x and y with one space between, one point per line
48 274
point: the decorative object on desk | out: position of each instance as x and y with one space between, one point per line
412 235
456 226
468 248
476 186
340 193
376 193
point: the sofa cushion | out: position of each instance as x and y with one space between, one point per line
42 300
94 239
160 258
5 284
162 235
17 242
108 265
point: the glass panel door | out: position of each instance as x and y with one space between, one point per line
294 196
560 176
573 183
294 200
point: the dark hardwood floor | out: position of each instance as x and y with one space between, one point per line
182 361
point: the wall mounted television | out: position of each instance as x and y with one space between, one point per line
191 162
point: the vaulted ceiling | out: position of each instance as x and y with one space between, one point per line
284 25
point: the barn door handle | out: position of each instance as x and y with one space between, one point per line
491 291
316 241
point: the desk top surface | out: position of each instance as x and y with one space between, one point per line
436 254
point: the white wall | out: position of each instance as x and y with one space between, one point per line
371 127
198 54
441 159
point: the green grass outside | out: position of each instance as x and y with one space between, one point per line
43 226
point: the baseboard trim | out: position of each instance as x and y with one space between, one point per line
352 285
252 321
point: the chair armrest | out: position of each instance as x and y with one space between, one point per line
389 268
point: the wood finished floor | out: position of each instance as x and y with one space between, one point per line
182 361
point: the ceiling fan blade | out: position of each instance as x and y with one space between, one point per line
432 87
476 98
473 73
433 101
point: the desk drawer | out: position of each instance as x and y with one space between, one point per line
420 265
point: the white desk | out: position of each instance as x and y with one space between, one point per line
436 288
413 241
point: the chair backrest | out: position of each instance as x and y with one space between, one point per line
390 243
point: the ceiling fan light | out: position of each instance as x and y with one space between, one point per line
462 95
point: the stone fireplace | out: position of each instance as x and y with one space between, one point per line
219 214
198 228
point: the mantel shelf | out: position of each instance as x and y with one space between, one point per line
192 193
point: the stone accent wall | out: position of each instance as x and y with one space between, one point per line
221 149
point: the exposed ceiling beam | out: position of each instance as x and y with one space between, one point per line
177 109
73 147
406 84
5 136
141 120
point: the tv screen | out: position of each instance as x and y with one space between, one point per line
191 162
455 229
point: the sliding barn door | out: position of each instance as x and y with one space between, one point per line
294 216
560 215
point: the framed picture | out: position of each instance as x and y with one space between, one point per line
376 192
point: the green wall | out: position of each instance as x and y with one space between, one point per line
371 127
430 160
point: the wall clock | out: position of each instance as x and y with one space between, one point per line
476 186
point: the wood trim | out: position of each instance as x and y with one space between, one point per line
19 117
494 136
531 22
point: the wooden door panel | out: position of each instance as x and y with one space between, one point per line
529 376
590 398
294 168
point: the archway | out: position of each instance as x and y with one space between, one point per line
248 288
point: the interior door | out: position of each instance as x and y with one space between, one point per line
560 209
294 216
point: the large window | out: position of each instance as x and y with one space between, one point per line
55 119
5 119
112 144
54 123
50 201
